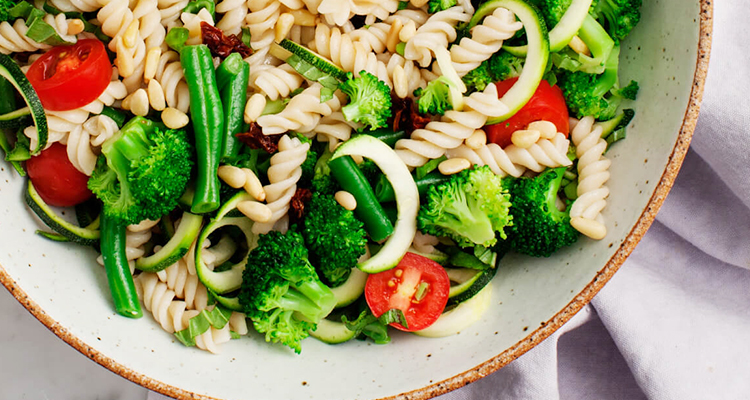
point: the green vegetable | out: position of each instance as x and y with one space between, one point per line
368 210
116 265
207 115
595 95
10 71
536 57
599 43
195 6
120 117
440 5
7 105
384 191
232 77
470 208
39 30
387 135
618 16
176 38
369 100
309 56
435 98
281 292
176 247
334 238
142 172
539 228
5 7
614 129
499 67
84 236
407 199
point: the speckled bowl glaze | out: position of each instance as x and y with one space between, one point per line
67 291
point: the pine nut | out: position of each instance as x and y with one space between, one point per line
400 83
254 107
156 96
357 158
525 138
126 102
232 176
152 63
418 3
75 26
346 200
408 31
392 38
589 227
547 130
124 63
579 46
253 185
283 26
139 103
174 118
130 37
257 212
453 166
303 17
477 140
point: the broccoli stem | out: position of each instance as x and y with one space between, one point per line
596 38
207 115
384 191
120 280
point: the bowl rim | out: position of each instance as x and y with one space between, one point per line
535 337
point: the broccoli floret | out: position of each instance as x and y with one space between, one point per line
281 293
322 181
470 208
369 100
440 5
539 227
501 66
618 16
142 171
5 7
334 237
435 98
588 94
629 92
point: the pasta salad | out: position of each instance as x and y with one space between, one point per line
325 168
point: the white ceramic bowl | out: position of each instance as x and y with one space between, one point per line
67 291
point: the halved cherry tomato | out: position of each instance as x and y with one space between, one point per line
56 179
417 286
69 77
546 104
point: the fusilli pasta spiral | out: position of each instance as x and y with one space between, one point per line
13 38
593 173
437 32
302 113
486 39
283 175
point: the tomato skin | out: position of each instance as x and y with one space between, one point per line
70 77
419 315
56 179
547 103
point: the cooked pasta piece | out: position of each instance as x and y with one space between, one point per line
593 173
486 39
283 175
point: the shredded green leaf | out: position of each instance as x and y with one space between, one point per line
394 315
421 172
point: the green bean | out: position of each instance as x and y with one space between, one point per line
387 135
232 77
384 191
207 114
368 210
120 280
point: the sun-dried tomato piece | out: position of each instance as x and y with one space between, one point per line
222 45
405 116
298 203
255 139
